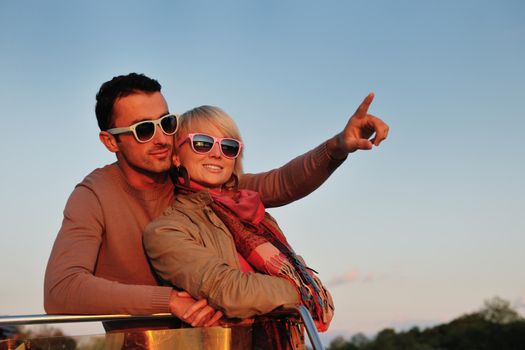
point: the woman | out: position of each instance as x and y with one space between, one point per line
217 242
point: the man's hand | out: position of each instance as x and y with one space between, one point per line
357 132
195 312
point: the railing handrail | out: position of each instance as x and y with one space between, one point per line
44 318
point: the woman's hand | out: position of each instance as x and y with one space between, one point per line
195 312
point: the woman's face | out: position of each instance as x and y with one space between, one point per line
210 170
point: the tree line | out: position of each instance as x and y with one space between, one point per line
495 326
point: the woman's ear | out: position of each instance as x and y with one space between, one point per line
109 141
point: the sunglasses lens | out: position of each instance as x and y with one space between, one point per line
169 124
202 143
145 131
230 148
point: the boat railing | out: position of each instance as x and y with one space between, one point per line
208 338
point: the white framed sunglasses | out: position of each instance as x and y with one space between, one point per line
144 131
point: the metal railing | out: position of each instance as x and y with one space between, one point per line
17 320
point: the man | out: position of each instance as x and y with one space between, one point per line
98 264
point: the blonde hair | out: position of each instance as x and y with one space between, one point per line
215 116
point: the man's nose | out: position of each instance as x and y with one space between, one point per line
160 137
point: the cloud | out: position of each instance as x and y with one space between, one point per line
520 303
369 277
347 277
351 276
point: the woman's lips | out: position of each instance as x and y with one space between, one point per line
213 167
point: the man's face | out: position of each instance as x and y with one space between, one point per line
152 157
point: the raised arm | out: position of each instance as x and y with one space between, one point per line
304 174
294 180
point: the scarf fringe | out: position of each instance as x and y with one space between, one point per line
286 264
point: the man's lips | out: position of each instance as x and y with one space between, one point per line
162 152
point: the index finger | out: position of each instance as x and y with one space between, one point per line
195 307
362 110
202 316
214 319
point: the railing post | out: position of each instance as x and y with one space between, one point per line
311 330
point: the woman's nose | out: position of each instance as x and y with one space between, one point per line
216 150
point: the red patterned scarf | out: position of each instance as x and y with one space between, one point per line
259 241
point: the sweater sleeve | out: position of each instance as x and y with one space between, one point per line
179 258
294 180
70 286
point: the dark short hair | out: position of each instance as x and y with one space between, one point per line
120 86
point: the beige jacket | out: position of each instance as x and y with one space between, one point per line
192 249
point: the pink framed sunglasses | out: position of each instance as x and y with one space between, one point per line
203 143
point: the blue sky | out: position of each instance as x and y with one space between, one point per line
415 232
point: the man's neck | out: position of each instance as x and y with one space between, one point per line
142 179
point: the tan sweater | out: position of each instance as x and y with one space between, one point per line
98 265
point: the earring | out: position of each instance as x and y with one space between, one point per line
184 174
177 173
